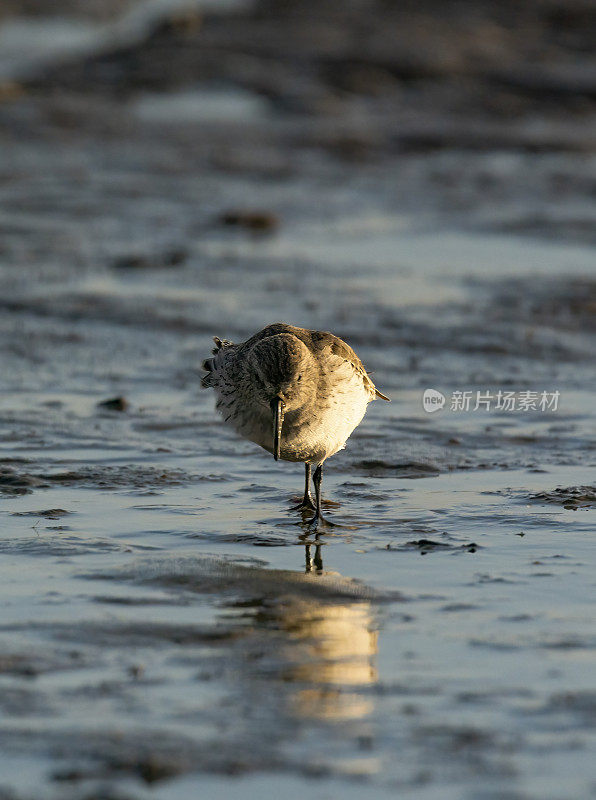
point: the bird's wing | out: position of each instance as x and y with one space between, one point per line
323 340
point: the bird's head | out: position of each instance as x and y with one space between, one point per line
283 372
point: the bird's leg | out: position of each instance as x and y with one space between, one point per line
307 503
318 517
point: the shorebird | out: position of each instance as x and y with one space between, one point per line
297 393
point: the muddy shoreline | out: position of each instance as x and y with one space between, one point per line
417 178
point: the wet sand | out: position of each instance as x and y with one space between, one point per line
168 626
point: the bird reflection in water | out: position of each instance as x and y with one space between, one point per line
329 650
304 664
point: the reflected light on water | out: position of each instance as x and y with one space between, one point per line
330 646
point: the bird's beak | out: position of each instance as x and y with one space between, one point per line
277 406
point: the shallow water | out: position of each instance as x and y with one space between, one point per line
169 625
145 636
166 615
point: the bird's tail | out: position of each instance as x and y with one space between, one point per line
209 363
381 395
220 344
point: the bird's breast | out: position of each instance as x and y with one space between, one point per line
310 433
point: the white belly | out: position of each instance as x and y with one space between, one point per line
310 436
305 437
328 431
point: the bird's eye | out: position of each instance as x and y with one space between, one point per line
299 378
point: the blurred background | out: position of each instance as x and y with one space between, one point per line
499 96
336 162
386 170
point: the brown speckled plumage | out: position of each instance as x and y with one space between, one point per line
321 383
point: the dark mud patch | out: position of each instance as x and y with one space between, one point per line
378 468
151 755
458 608
242 538
127 600
167 315
303 63
571 497
16 482
135 261
150 770
477 749
114 404
425 546
136 634
575 706
555 303
48 513
251 220
24 702
58 546
225 577
571 642
30 665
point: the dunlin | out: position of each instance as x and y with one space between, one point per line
297 393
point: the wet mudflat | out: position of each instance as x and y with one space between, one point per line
168 625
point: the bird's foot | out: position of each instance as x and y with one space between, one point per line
307 504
